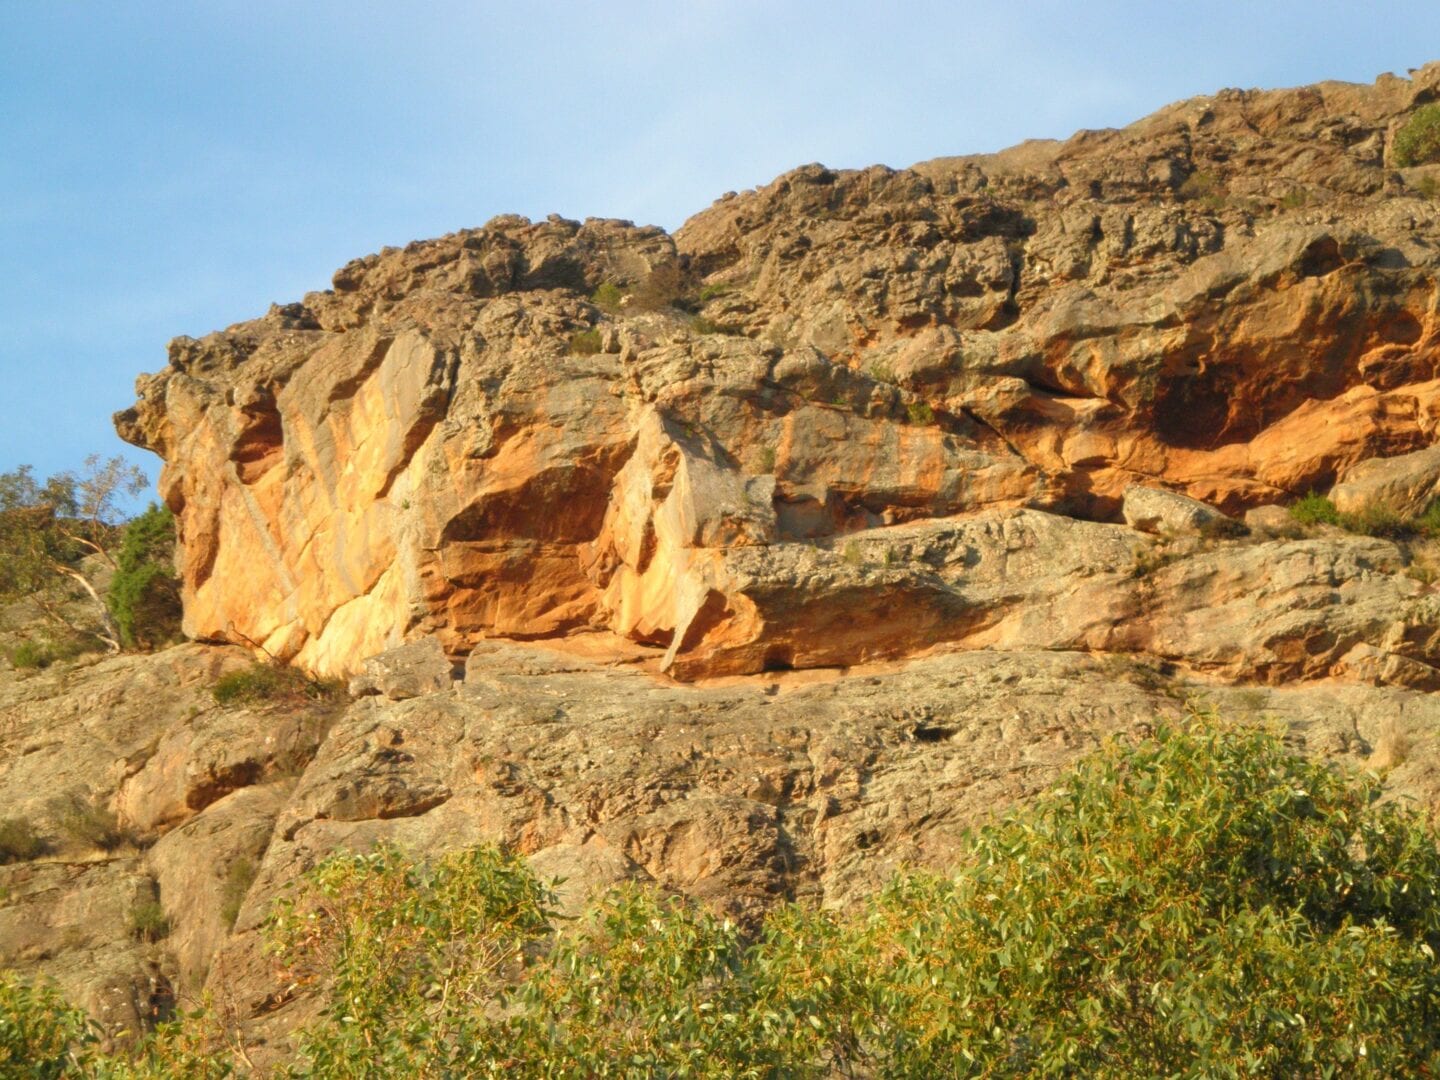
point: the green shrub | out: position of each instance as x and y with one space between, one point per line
666 286
1428 187
273 684
41 1037
1295 199
1203 903
31 655
1206 903
920 413
386 935
38 653
144 597
702 325
1205 188
1315 509
19 842
1378 521
585 343
44 1038
714 292
148 921
607 297
88 822
1418 141
1429 521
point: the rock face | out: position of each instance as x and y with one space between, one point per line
803 785
1234 299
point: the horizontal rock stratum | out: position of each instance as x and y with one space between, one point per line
774 451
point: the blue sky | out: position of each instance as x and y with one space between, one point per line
171 168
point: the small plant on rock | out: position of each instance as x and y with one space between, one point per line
585 343
702 325
1418 142
148 922
267 684
667 286
1379 521
1295 199
713 292
89 822
607 297
1429 521
1222 528
920 413
19 842
233 890
1204 188
1153 557
31 656
39 653
1315 509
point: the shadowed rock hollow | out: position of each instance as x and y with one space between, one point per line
1234 298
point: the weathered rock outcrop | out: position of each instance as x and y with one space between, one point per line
1234 299
740 794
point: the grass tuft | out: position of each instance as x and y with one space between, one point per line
19 842
271 684
89 822
148 921
238 879
585 343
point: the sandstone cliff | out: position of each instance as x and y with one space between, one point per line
757 561
1234 298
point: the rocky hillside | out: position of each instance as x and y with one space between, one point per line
758 560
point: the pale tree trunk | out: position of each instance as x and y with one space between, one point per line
109 632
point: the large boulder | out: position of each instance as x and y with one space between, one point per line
1154 510
1406 483
406 671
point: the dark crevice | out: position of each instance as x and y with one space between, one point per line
778 658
